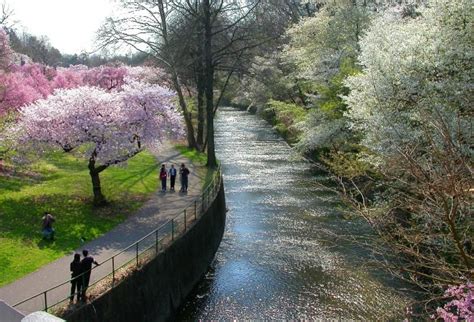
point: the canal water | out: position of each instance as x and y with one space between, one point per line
274 261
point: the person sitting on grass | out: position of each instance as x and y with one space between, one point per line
47 226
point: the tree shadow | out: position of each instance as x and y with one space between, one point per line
134 177
45 243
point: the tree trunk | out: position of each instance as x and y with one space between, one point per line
99 199
175 79
200 108
186 114
209 83
201 87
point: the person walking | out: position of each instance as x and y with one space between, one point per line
163 176
172 174
47 226
76 279
184 172
86 266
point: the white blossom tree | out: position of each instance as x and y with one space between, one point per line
413 103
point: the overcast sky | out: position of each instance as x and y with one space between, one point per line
70 25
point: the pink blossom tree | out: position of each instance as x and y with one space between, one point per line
460 305
71 77
106 77
23 85
111 127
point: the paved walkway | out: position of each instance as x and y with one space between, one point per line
159 209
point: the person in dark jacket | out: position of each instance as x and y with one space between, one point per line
86 266
163 176
76 280
184 172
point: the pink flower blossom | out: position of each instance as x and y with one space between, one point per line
460 306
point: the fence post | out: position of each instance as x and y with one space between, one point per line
195 209
172 229
202 202
113 271
156 241
45 301
137 254
185 220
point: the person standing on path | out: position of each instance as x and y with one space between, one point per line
86 266
184 172
76 282
172 174
163 178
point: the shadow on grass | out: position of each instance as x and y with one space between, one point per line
12 184
134 177
67 162
75 218
45 243
18 178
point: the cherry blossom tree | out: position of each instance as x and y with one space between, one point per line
109 126
71 77
23 85
106 77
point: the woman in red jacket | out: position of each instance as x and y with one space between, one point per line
163 176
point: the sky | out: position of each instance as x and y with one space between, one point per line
70 25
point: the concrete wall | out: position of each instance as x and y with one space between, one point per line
155 292
9 314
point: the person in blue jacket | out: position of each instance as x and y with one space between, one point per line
172 172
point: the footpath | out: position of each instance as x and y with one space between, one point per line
158 210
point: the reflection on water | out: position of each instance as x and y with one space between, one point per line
273 262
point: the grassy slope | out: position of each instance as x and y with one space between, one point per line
61 185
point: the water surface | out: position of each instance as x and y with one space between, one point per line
274 262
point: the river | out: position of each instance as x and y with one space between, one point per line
274 262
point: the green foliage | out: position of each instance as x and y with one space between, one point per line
331 93
346 164
59 183
199 159
194 155
284 116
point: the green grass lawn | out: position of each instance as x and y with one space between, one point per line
199 158
61 184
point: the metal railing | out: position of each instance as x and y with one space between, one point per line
117 267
